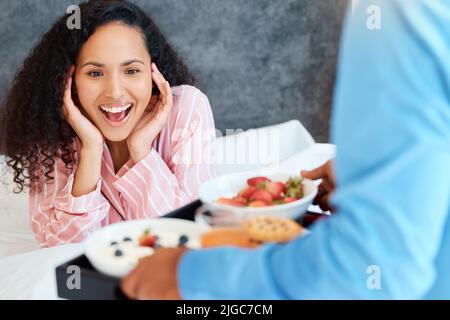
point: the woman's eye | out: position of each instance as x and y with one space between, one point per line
95 74
132 71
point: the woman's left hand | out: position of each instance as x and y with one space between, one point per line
153 120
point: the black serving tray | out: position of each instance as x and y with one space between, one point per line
93 284
98 286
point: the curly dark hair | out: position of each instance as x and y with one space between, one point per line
34 128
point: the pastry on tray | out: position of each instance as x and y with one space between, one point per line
253 232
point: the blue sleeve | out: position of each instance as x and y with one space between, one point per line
391 123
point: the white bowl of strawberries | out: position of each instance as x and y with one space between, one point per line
246 195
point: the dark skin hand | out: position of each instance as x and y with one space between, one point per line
155 277
326 188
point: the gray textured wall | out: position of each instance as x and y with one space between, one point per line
259 61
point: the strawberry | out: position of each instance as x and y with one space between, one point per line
258 203
262 195
147 240
240 200
247 192
230 202
289 199
276 189
254 182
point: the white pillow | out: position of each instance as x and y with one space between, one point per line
257 148
13 207
15 231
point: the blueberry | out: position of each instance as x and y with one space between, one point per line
127 239
113 243
118 253
208 213
183 240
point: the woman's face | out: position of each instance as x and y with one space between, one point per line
113 79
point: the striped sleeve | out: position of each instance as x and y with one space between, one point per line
158 187
57 217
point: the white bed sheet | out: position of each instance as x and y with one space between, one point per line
12 243
31 275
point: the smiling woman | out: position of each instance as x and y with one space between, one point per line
96 123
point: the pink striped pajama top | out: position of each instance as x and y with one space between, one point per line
181 158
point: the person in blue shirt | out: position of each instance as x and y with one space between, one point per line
390 236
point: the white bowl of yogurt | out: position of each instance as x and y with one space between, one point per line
115 250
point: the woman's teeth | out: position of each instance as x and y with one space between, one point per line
117 115
116 109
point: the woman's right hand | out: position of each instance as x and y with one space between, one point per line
88 133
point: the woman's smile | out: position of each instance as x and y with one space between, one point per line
117 114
